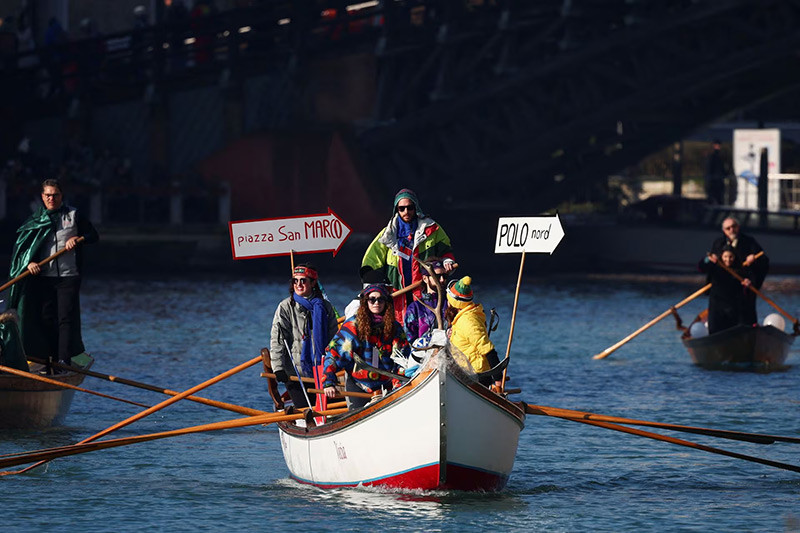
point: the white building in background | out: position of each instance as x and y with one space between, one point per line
747 147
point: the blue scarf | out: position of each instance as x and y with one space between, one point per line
319 330
405 243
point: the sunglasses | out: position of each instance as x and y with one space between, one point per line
299 281
401 208
726 228
375 299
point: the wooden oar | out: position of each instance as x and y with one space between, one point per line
42 263
63 451
36 377
689 444
292 378
757 438
213 403
759 293
608 351
605 353
399 292
158 407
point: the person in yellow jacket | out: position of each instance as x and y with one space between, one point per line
468 330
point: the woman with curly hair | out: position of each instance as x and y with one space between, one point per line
371 335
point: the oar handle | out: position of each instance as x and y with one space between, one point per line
42 263
608 351
292 378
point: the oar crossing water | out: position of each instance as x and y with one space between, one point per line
613 423
158 407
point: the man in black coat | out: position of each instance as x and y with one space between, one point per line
745 247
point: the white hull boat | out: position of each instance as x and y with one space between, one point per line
440 431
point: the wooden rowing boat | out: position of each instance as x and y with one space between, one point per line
27 404
441 430
750 348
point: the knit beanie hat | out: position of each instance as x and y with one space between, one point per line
411 195
459 292
376 287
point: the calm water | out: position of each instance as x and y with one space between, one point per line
567 476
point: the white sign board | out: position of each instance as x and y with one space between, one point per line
747 146
528 234
281 236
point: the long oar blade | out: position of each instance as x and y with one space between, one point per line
158 407
575 417
757 438
63 451
689 444
608 351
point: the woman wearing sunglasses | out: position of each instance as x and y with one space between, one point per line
301 329
373 335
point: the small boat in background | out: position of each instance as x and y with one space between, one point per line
29 404
440 431
749 348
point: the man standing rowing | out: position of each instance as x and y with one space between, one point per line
408 238
48 300
745 248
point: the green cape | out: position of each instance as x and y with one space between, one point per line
30 237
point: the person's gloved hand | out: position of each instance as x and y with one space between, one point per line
282 376
411 371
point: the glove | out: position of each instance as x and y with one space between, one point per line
411 371
281 376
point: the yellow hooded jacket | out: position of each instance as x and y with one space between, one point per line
468 334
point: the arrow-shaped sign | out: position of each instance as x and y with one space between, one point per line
528 234
305 234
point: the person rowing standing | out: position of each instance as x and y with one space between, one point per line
745 248
409 237
48 301
726 300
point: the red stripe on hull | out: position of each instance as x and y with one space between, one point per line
427 478
465 478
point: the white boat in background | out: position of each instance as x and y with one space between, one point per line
440 431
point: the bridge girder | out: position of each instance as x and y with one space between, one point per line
527 107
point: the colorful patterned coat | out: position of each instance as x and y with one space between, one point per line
340 351
418 319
